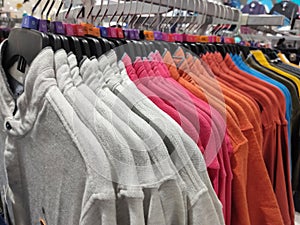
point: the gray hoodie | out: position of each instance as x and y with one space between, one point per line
56 169
125 176
169 185
184 152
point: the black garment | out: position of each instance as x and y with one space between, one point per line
286 8
287 68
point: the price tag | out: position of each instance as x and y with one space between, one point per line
158 35
69 28
112 32
204 39
58 27
79 30
120 33
178 37
103 32
30 22
171 38
96 32
43 26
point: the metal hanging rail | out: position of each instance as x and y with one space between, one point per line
262 20
160 6
189 7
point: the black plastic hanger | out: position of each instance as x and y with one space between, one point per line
195 49
73 41
200 49
172 47
245 50
232 49
64 40
159 46
54 40
211 47
186 45
137 48
64 43
227 48
221 49
95 46
32 42
106 44
75 47
84 44
85 47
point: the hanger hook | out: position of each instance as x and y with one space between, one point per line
49 10
35 6
81 11
221 21
121 14
133 17
165 16
89 15
238 26
224 17
183 22
178 17
59 8
128 13
156 18
232 14
105 12
99 11
170 19
193 17
114 14
216 17
44 8
149 15
140 14
194 24
203 17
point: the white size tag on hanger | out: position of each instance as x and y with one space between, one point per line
17 74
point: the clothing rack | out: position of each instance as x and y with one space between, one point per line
208 9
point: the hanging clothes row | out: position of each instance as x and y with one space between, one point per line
106 130
261 152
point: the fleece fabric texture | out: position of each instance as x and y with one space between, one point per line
128 190
53 161
186 154
163 193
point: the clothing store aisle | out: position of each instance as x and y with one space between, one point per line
297 219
